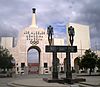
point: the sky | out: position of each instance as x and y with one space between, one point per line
15 15
33 56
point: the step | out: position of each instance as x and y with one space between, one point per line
81 85
14 85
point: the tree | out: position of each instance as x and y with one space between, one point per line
88 60
5 59
98 64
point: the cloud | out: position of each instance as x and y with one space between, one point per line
89 14
33 56
15 15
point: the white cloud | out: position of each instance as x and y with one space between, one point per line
16 14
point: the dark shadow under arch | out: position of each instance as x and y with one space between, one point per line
76 66
34 47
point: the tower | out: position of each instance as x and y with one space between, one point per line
34 18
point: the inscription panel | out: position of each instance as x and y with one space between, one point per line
61 48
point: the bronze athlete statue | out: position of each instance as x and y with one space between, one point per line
50 33
71 33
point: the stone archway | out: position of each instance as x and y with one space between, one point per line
34 64
76 66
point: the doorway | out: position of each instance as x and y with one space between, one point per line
33 58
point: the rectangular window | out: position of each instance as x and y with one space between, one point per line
61 68
50 68
22 65
45 65
17 68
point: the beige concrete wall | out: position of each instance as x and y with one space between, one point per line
7 42
81 39
97 52
82 35
61 56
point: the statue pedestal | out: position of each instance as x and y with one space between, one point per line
50 80
73 80
64 80
67 50
55 75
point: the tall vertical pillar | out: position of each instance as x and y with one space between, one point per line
34 17
68 66
55 70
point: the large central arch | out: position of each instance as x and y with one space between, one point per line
33 68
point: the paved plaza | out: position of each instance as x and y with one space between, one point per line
36 81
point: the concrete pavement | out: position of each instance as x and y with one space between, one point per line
36 81
93 81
